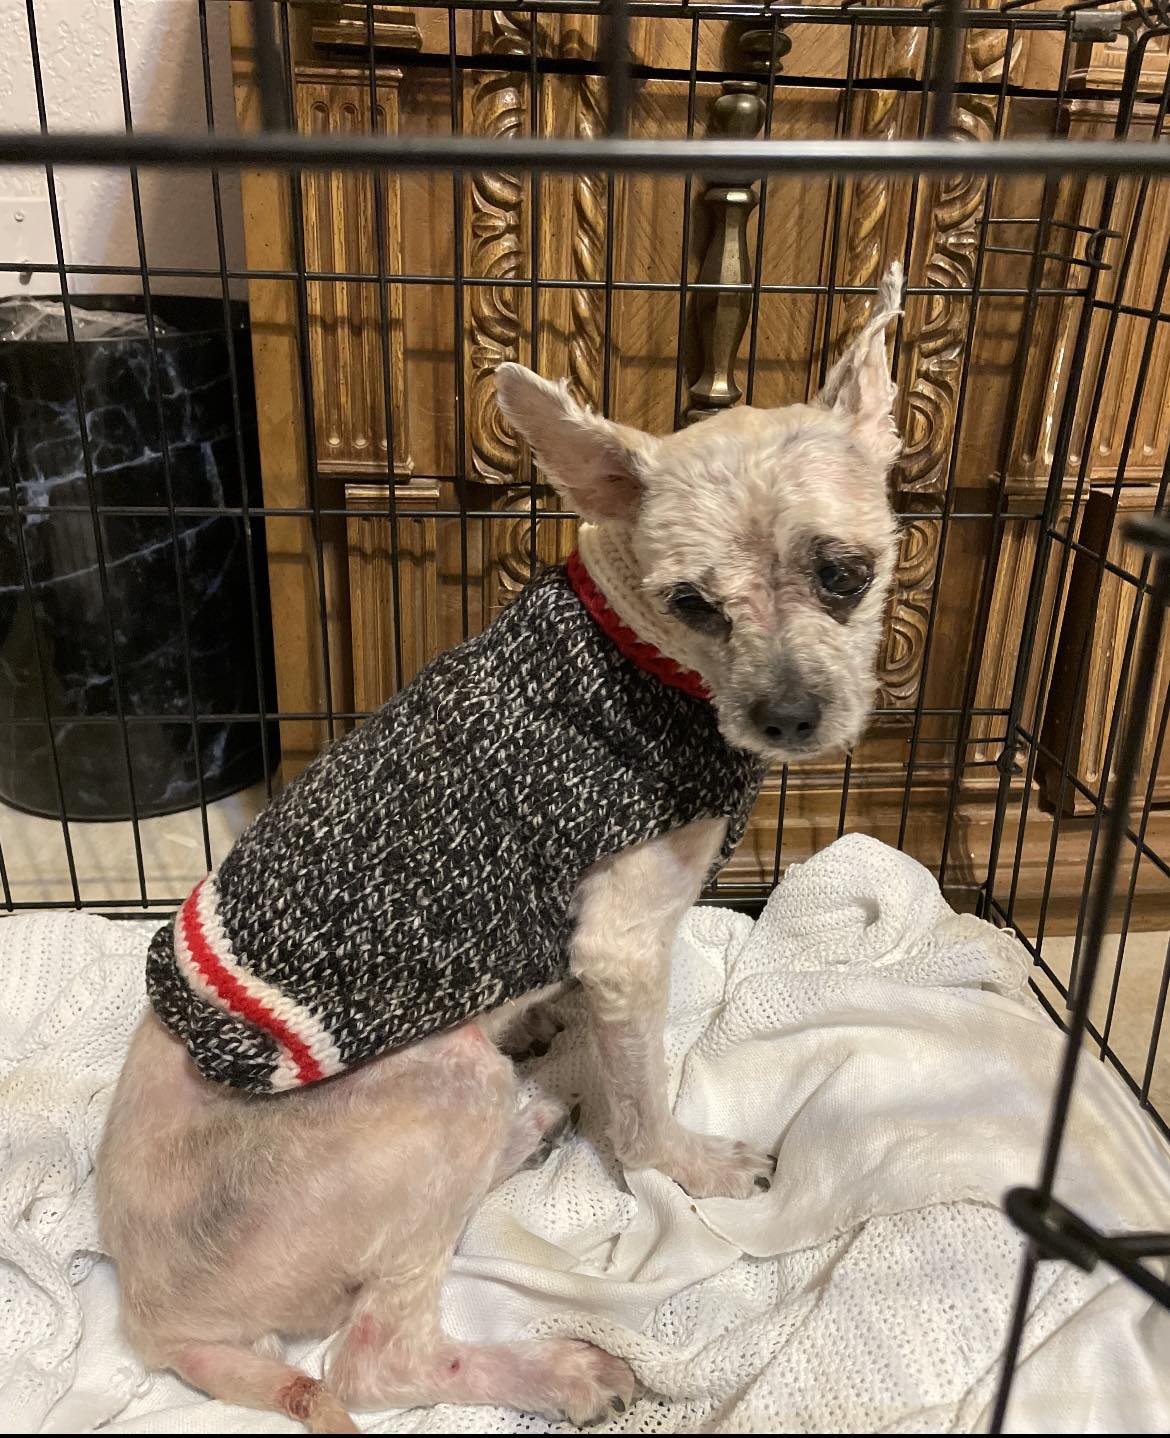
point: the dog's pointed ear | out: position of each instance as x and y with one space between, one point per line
595 464
860 386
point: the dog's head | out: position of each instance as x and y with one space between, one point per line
764 537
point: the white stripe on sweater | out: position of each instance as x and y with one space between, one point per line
307 1027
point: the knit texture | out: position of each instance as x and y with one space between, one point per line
421 870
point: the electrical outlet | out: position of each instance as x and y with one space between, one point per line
26 234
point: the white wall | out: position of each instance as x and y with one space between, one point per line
79 63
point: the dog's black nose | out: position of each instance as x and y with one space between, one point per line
789 720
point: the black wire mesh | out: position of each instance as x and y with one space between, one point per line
1052 226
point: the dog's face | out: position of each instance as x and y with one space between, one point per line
764 537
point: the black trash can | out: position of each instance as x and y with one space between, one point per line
60 607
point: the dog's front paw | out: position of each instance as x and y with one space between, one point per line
709 1167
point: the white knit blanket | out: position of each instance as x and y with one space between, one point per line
883 1043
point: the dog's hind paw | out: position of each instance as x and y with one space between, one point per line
710 1167
595 1386
540 1127
531 1035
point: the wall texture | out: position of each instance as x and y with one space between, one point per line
79 62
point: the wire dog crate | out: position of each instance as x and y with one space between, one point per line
651 238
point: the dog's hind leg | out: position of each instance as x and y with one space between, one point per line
240 1375
524 1028
538 1128
393 1353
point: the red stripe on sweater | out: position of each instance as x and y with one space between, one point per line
645 656
236 997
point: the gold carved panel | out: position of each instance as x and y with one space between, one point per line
1013 579
345 317
936 327
1114 357
375 600
1094 655
498 247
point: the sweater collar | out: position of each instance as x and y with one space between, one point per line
639 651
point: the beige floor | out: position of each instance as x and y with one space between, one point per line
105 855
1135 1006
173 860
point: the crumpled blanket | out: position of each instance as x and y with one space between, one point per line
885 1046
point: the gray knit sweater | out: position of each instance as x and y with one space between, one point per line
421 870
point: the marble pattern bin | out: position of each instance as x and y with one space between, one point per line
59 698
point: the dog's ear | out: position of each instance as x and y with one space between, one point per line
860 386
597 465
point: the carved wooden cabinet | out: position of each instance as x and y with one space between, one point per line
489 269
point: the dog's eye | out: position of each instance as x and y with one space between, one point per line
696 610
844 578
685 599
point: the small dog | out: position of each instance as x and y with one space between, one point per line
745 561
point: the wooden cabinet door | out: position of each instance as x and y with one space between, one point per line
602 281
